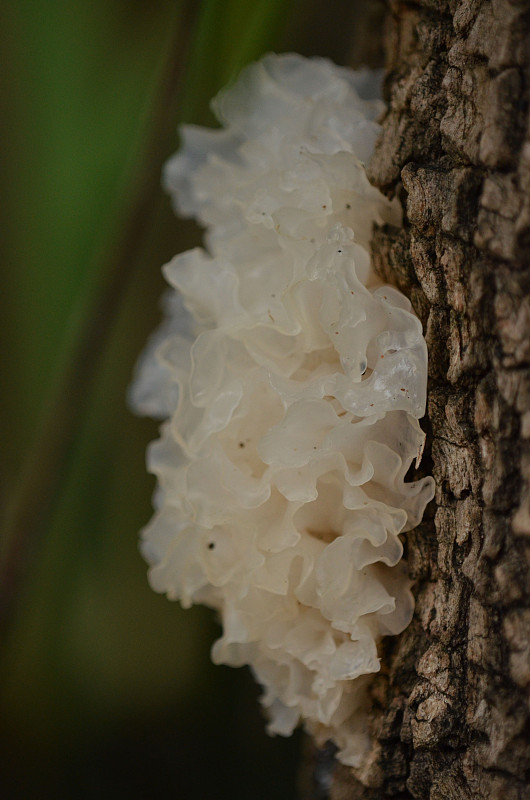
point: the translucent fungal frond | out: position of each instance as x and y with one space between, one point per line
291 383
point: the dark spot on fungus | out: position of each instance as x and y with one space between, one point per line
241 444
348 206
211 545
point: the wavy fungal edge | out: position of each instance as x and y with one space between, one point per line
290 382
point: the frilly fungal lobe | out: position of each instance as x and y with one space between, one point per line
290 382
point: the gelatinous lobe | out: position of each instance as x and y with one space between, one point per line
290 383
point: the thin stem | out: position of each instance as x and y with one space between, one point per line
25 517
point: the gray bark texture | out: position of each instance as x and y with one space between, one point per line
451 704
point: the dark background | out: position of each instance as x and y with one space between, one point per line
106 689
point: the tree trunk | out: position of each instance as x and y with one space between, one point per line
451 704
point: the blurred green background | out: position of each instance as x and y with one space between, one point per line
106 689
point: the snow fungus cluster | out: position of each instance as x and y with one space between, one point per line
290 382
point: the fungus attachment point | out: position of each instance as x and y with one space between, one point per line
285 446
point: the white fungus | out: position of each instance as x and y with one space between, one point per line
291 382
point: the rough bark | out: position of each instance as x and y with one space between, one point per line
451 705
